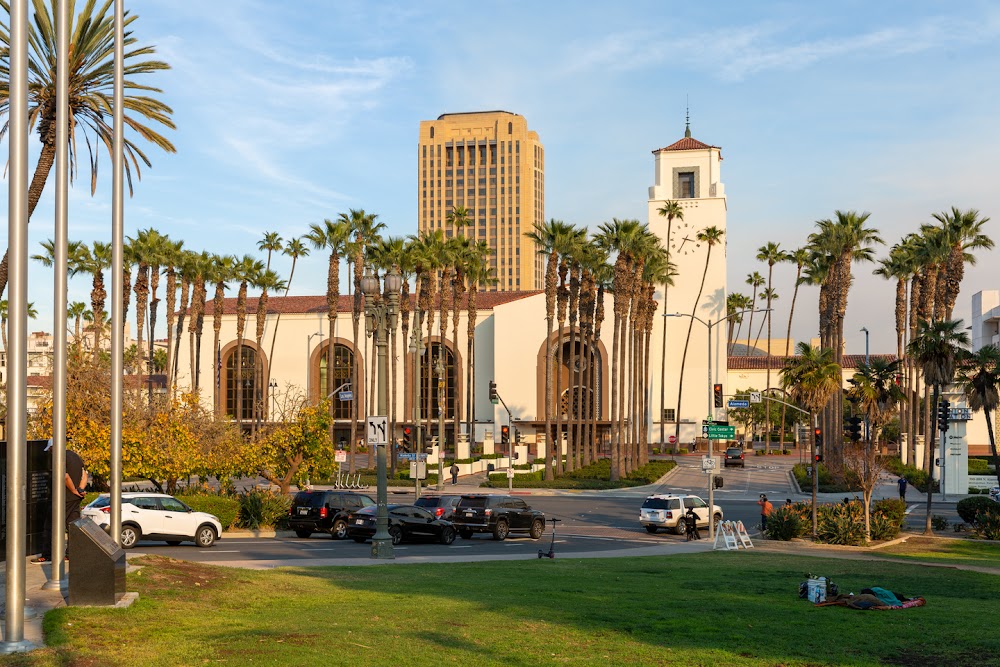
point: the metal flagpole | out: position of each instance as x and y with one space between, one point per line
17 361
117 289
60 252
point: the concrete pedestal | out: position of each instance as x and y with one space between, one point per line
464 450
488 444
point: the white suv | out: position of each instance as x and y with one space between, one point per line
156 516
667 511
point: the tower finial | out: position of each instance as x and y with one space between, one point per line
687 119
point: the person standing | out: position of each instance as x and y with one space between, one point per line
765 511
76 482
902 488
691 525
454 473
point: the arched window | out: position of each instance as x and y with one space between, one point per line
243 386
578 381
432 131
430 383
343 357
510 128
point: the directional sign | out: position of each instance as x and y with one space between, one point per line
346 396
409 456
755 397
716 432
735 403
378 430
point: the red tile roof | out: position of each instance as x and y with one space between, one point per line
686 144
317 304
777 362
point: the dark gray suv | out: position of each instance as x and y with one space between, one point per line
499 515
324 512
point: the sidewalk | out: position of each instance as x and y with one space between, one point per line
36 601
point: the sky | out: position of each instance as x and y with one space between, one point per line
291 112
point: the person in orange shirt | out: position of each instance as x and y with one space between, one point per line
765 511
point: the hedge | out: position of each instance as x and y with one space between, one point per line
223 507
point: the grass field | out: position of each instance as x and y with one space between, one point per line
701 609
958 552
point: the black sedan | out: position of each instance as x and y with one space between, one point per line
406 522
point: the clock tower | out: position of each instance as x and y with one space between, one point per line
688 172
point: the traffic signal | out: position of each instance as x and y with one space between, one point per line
717 394
407 438
854 429
818 444
943 415
517 436
494 397
505 435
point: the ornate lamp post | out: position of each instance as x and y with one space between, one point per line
380 316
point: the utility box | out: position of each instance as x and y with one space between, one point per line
97 576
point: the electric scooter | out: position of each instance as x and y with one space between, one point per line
552 547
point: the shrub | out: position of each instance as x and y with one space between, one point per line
786 522
887 518
939 522
979 467
916 477
970 508
262 508
893 508
225 509
841 523
988 524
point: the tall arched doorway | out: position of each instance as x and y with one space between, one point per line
245 389
442 368
343 358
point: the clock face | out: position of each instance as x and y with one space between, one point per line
682 238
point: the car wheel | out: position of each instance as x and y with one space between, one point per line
359 540
651 530
537 528
465 534
339 529
130 536
679 529
173 543
396 534
303 533
447 536
205 537
500 531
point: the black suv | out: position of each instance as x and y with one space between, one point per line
442 507
734 457
499 515
324 512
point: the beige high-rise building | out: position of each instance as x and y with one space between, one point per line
493 165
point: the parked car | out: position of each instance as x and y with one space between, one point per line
442 507
499 515
324 512
734 457
406 522
156 517
667 511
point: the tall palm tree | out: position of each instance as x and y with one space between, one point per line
875 392
31 313
754 280
144 243
91 79
171 259
479 273
736 303
223 270
771 253
93 260
332 236
391 252
271 242
458 219
979 376
799 256
266 281
546 237
671 210
202 266
964 229
711 236
811 378
937 348
658 270
567 244
186 268
293 248
246 269
75 311
898 266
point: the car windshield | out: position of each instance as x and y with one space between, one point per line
309 499
102 501
661 504
732 451
473 501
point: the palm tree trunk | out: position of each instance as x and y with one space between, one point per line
930 468
615 470
788 342
687 342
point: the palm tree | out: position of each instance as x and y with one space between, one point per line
800 257
546 237
202 267
811 378
670 210
171 258
185 268
898 266
479 273
388 253
711 236
294 248
32 314
223 270
964 230
875 392
937 349
143 243
266 280
754 280
272 243
95 261
161 249
979 376
771 253
75 311
246 269
736 304
91 79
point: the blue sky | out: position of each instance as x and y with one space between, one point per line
292 112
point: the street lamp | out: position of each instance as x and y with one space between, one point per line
710 324
380 317
272 387
309 363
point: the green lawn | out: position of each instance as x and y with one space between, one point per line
702 609
960 552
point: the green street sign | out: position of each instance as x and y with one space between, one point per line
716 432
